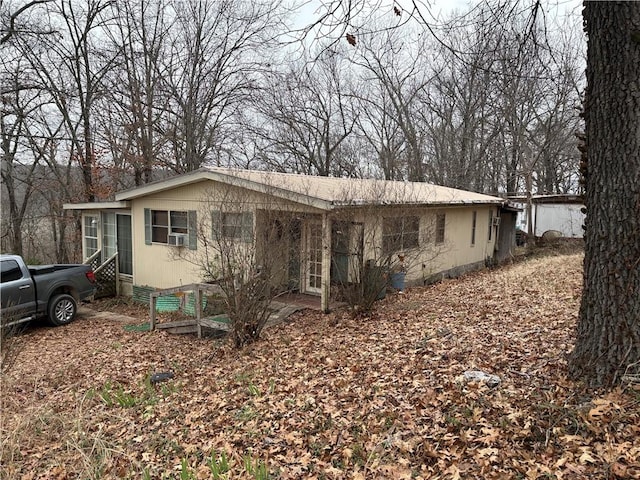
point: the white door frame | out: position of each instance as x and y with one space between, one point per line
312 265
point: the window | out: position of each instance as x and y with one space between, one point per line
474 220
232 226
165 222
400 233
9 271
108 234
441 220
159 224
90 235
490 224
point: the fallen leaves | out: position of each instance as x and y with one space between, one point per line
328 396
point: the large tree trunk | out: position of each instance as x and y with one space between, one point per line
608 335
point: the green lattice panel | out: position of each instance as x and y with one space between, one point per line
141 293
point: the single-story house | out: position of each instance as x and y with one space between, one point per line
314 232
561 212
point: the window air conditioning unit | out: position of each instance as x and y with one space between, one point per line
177 239
495 221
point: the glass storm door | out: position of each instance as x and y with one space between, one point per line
109 239
313 281
125 250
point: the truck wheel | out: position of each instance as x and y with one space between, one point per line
62 309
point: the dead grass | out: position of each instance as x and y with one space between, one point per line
121 305
555 247
330 396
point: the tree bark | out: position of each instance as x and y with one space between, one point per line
608 333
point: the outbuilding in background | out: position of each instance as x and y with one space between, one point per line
563 213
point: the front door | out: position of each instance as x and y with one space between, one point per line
340 252
313 267
295 255
124 239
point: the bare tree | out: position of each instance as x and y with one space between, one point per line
379 132
553 133
61 182
71 67
11 19
134 102
210 67
244 245
18 167
30 133
501 107
305 115
63 70
400 76
390 78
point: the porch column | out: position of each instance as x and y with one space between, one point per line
325 283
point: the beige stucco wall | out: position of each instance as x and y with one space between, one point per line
430 258
457 250
164 266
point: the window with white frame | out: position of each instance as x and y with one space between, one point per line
109 242
90 235
400 233
164 222
171 227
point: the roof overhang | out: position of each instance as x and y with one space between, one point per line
558 198
435 204
511 208
203 175
296 195
97 206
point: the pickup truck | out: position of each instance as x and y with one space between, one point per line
52 291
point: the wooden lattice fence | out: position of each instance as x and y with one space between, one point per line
107 277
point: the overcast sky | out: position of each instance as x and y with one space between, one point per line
310 10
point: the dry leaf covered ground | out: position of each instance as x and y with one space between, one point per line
329 396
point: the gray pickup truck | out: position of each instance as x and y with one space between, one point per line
53 291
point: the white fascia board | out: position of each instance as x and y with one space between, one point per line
96 206
454 203
199 175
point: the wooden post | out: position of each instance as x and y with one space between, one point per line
198 299
152 313
117 269
325 283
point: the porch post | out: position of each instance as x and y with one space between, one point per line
117 260
326 263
